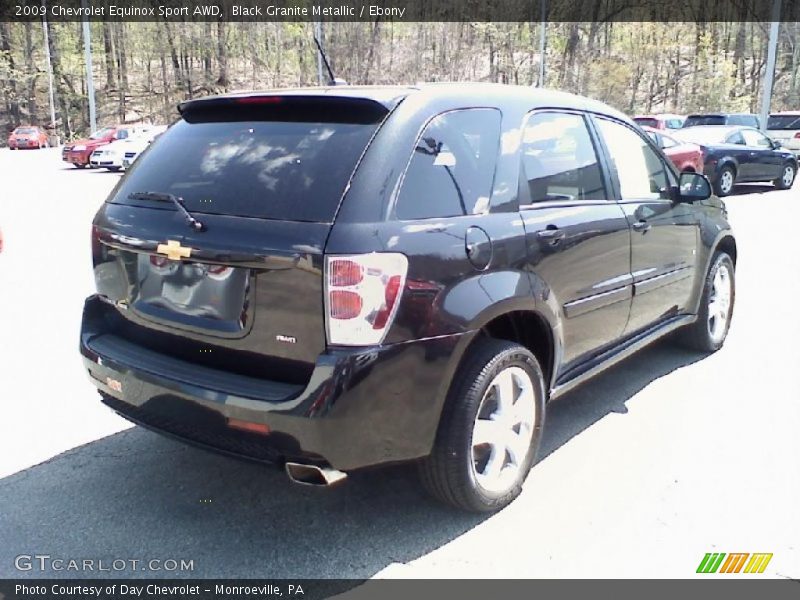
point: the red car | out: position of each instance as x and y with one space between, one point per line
78 153
660 121
684 155
28 136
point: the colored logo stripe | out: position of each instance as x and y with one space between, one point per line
734 562
710 562
758 563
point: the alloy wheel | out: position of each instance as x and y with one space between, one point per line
726 182
503 429
788 176
719 304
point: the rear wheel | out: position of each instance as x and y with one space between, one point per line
785 181
725 182
490 429
708 333
77 166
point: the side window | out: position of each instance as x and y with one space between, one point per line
668 142
559 160
755 138
451 172
121 134
641 173
735 138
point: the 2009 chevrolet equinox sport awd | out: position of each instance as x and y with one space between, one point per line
340 277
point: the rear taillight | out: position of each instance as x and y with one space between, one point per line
797 135
362 293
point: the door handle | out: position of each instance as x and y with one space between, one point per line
642 226
552 235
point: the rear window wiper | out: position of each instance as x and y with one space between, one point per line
176 200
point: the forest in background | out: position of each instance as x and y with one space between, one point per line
143 69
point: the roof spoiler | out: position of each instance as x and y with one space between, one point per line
276 106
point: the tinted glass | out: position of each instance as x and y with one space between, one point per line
452 168
647 122
25 130
748 120
674 123
559 159
694 120
783 122
293 171
641 172
755 138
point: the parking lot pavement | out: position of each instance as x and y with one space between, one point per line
668 456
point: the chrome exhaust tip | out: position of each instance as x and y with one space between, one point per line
313 475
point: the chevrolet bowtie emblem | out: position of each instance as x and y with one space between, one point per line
174 250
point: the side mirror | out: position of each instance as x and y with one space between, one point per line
776 144
693 187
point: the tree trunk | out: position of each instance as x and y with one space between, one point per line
222 55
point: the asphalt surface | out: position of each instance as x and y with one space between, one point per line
666 457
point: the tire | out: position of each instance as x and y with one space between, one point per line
113 169
470 476
725 182
709 332
77 166
785 181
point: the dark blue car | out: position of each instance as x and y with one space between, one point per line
741 154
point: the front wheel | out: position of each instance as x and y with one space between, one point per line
113 169
725 182
79 166
708 333
785 181
489 430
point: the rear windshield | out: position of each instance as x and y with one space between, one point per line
783 122
647 122
98 135
25 130
294 171
695 120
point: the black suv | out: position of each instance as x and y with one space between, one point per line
334 278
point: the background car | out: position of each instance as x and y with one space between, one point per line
739 154
660 121
785 127
79 152
28 136
746 119
136 146
687 156
111 155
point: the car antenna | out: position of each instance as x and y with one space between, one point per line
332 78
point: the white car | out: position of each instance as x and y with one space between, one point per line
785 128
111 156
139 145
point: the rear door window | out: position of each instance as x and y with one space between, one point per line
295 171
451 172
559 159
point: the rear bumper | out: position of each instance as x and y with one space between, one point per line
361 406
